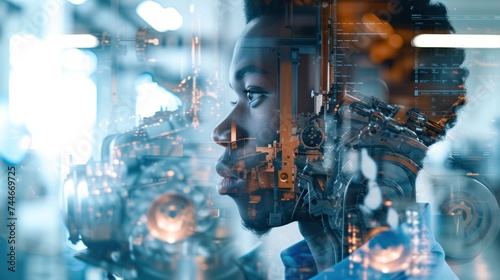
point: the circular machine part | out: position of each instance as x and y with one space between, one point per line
172 232
171 218
380 184
312 137
468 216
395 181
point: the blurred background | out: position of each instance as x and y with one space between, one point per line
75 71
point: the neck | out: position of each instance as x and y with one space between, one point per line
325 247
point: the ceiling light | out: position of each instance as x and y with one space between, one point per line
456 41
159 18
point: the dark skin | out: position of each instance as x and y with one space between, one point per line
254 118
253 78
254 121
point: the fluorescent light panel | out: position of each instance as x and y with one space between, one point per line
456 41
77 41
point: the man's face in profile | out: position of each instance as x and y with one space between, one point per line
255 119
254 77
253 122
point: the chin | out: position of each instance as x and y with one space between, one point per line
257 229
255 216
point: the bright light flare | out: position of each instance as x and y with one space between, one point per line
68 193
79 41
14 139
83 190
25 142
456 41
79 60
161 19
59 101
77 2
151 97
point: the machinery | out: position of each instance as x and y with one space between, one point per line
353 161
146 210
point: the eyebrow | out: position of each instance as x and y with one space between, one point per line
250 69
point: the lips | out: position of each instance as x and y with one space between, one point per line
224 170
230 183
234 166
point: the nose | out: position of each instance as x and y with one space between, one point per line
225 132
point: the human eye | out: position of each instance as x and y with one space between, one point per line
255 95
